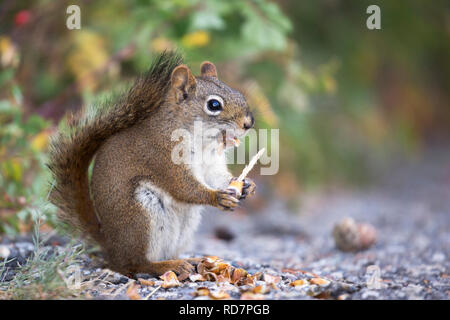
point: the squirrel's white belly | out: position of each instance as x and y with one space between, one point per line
172 224
212 171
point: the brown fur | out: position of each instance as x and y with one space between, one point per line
132 143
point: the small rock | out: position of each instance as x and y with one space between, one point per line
370 294
224 234
5 252
351 236
438 257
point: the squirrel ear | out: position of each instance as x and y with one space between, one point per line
208 69
183 82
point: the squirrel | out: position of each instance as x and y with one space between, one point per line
139 206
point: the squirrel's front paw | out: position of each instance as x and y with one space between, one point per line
248 189
226 200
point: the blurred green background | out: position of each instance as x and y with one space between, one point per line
347 100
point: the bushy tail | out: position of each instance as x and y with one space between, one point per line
71 154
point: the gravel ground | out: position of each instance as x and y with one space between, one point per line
410 209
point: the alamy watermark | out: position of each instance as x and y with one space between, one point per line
203 144
374 20
73 21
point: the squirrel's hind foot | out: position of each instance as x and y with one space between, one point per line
182 267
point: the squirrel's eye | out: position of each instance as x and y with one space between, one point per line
214 105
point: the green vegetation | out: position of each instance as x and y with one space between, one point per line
42 277
345 98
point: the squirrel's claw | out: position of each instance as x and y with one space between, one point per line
226 200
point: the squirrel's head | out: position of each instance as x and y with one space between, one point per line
211 101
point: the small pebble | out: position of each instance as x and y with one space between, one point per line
351 236
5 252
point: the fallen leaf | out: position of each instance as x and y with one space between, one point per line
132 292
261 289
170 280
221 279
211 261
219 295
296 272
223 267
252 296
146 282
196 277
237 275
202 291
319 281
201 268
270 279
300 282
210 276
226 272
249 280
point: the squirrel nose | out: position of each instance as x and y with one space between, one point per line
249 121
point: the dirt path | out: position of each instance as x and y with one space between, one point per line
410 208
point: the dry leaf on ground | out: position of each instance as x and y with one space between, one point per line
252 296
132 292
319 281
170 280
300 282
146 282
